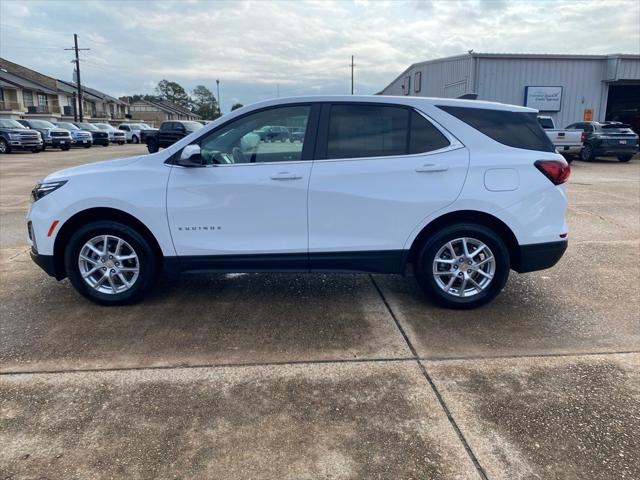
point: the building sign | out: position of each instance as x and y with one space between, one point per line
547 99
588 115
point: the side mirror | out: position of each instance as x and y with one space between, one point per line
190 156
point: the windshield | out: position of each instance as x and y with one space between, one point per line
616 128
41 124
192 126
104 126
87 126
144 125
10 124
67 126
135 126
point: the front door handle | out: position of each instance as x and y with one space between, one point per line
432 167
285 176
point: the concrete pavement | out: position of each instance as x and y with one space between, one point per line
313 376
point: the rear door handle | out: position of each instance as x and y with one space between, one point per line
285 176
432 167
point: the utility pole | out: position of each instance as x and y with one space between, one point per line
78 83
352 65
218 90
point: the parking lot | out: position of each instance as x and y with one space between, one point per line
277 376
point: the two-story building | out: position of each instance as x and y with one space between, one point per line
25 93
155 112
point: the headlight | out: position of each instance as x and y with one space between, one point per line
46 133
42 189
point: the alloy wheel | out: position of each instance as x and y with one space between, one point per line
108 264
464 267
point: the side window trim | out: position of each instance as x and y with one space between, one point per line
308 146
322 139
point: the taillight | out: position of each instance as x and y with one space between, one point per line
555 170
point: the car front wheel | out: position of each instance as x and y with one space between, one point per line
463 266
135 139
110 263
624 158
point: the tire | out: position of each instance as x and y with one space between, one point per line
4 146
87 146
474 235
587 154
105 144
44 147
135 139
103 293
65 148
152 145
624 158
37 150
120 143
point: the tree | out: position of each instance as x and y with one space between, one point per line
174 93
204 102
236 106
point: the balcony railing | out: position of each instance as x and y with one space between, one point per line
8 106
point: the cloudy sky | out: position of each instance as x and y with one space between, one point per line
261 49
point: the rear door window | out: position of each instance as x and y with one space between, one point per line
424 136
514 129
357 131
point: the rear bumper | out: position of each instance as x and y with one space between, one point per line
539 256
569 149
613 150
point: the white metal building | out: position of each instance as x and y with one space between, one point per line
570 88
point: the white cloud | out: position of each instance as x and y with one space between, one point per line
257 47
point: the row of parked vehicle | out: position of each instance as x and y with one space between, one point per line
38 135
589 140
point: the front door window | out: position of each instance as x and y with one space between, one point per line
273 135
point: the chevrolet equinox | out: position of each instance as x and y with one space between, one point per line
461 190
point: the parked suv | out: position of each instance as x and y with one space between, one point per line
607 139
79 138
100 137
15 136
115 135
52 136
461 190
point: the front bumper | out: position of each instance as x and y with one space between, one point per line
539 256
25 145
46 263
81 141
58 142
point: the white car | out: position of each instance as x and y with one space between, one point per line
461 190
131 131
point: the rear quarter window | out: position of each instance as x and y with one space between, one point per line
514 129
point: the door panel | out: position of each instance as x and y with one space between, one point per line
375 203
239 209
251 197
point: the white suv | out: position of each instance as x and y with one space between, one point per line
462 190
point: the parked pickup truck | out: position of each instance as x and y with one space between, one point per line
14 136
169 133
567 142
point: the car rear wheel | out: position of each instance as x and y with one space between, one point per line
463 266
135 139
624 158
587 154
110 263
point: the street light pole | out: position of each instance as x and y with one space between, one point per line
218 89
